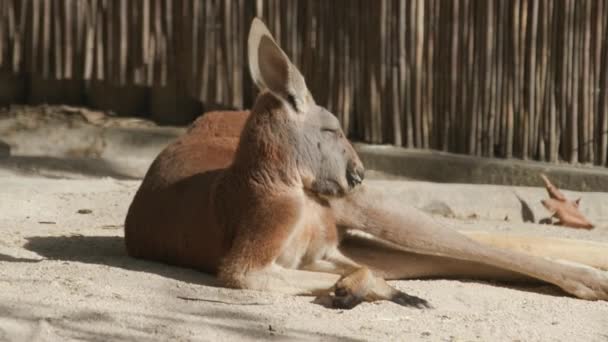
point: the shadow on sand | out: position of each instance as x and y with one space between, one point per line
109 251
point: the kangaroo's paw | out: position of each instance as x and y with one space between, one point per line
344 298
362 285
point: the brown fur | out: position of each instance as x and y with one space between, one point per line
175 184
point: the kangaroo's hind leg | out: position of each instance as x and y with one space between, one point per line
393 264
590 253
367 210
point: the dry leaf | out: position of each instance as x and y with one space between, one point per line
564 210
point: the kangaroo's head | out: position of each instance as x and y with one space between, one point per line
288 137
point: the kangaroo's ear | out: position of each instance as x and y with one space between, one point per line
271 68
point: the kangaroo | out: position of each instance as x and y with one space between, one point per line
274 200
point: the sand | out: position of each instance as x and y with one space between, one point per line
64 275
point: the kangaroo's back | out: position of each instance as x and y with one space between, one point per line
209 144
171 218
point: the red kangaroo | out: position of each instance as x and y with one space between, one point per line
269 200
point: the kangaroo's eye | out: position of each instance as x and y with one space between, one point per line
331 131
292 101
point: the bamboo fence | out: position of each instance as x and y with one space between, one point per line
515 79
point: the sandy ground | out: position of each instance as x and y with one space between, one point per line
64 273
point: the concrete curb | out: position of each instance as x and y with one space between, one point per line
131 149
451 168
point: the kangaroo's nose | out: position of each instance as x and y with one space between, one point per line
355 176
